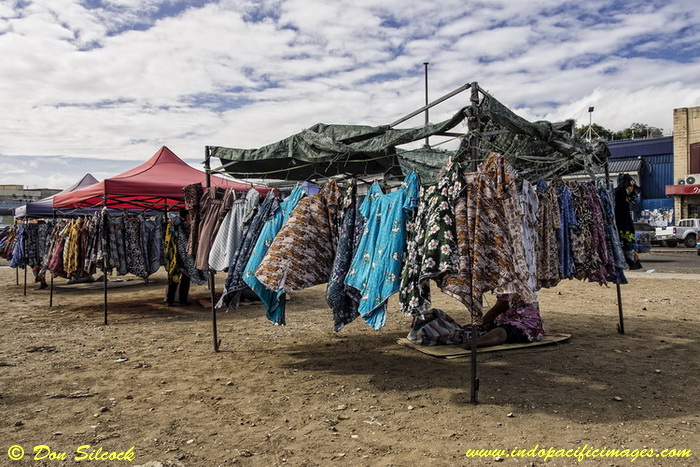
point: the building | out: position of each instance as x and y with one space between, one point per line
13 196
685 186
651 163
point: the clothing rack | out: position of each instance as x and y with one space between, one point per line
474 143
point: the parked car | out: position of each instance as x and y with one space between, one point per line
666 236
685 232
644 236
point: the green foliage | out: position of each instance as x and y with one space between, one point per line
635 131
639 131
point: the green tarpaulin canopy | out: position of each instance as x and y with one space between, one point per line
537 149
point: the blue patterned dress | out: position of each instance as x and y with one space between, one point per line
376 267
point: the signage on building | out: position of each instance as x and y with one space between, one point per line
683 189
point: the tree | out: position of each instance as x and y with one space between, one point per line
639 131
635 131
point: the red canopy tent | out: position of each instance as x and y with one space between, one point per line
155 184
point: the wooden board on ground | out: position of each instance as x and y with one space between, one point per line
455 351
111 284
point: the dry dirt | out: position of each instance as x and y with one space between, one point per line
303 395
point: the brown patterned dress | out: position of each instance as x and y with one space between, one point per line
303 251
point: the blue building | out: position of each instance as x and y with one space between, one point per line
650 162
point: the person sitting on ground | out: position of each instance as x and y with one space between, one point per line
510 321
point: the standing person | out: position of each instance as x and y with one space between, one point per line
180 288
178 280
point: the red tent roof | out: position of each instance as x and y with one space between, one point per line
155 184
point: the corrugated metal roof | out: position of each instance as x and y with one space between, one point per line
615 167
641 147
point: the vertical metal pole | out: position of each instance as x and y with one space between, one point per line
51 292
24 251
104 266
17 268
427 119
621 324
474 398
472 126
212 285
104 280
474 154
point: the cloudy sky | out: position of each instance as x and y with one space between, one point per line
99 85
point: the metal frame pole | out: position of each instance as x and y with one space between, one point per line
427 120
24 238
471 125
621 324
212 283
104 268
432 104
51 292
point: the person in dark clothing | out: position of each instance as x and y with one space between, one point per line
178 280
626 193
180 288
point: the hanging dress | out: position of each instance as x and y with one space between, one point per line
342 299
234 280
135 261
230 235
431 248
567 223
376 268
192 195
184 259
530 206
549 222
214 206
302 253
274 302
117 249
586 257
612 239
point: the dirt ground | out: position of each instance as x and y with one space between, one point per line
303 395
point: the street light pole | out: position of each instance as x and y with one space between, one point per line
425 66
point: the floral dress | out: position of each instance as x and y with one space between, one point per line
431 249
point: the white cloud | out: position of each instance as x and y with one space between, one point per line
122 78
